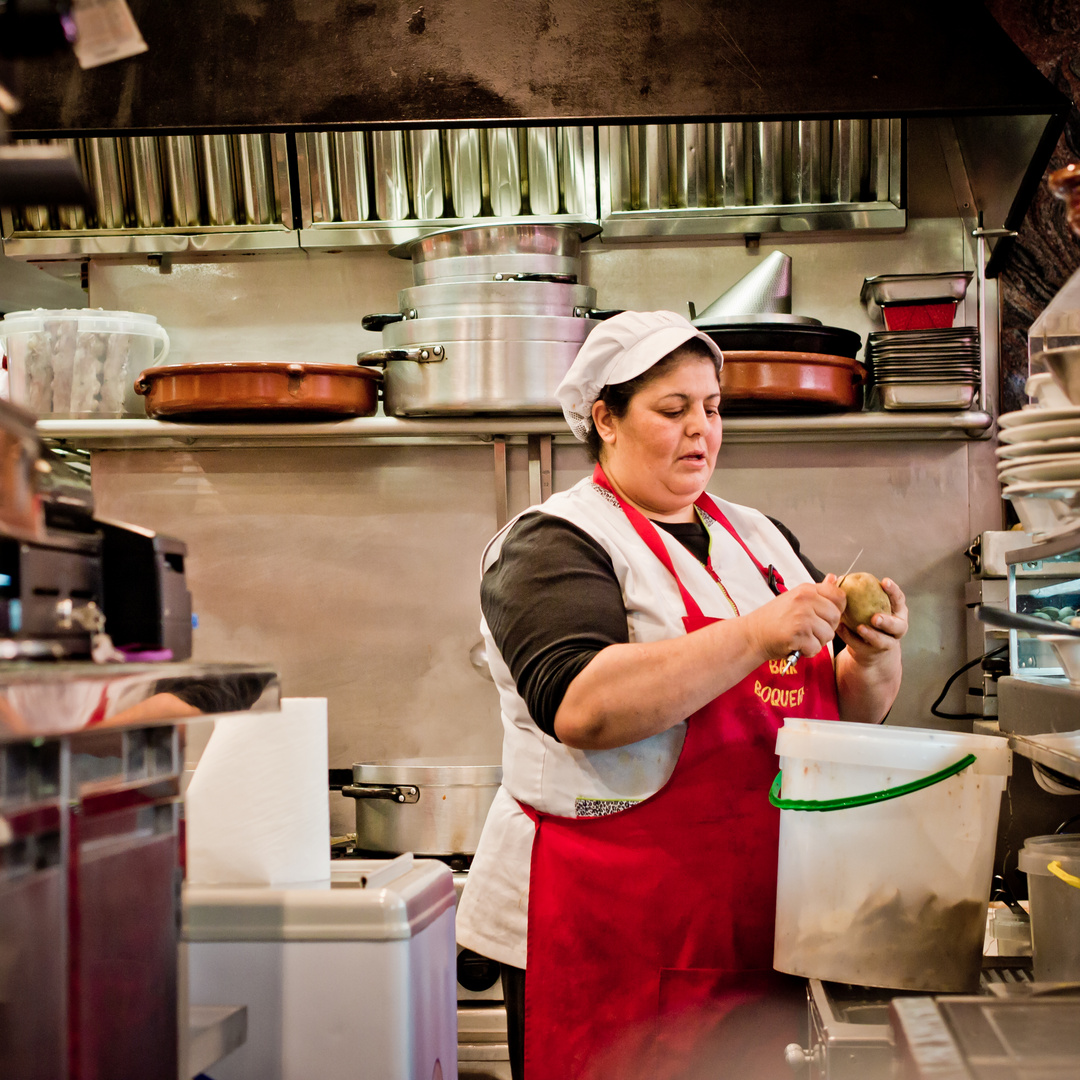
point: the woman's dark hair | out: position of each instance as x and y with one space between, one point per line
617 396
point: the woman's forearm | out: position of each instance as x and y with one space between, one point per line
629 692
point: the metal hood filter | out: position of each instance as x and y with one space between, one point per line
570 62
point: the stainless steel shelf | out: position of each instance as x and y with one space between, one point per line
223 238
391 233
658 224
379 430
1057 751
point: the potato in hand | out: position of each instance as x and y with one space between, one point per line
865 598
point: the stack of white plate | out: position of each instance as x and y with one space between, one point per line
925 369
1039 464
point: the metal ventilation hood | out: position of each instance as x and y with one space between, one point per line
245 65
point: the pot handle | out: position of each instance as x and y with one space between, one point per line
422 354
554 279
596 313
161 335
401 793
858 375
377 322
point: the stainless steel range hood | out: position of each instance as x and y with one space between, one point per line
229 65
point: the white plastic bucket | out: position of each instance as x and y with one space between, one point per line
75 362
1052 864
893 893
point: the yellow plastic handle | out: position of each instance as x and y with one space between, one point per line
1069 879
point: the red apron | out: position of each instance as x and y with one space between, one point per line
647 926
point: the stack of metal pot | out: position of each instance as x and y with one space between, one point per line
494 319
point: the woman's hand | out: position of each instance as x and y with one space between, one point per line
868 670
871 644
803 619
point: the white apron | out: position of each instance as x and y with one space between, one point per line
538 770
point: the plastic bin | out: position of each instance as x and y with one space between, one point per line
1054 901
892 893
76 363
341 981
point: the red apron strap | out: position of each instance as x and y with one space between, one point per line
647 531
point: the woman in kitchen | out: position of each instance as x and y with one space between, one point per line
647 641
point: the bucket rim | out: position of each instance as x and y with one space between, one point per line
1038 851
919 749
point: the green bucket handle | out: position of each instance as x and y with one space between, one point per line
848 801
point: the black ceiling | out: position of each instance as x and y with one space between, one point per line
279 64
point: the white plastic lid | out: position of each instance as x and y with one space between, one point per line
90 321
1039 851
925 749
365 900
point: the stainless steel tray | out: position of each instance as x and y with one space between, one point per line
912 288
926 395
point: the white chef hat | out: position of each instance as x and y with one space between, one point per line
620 349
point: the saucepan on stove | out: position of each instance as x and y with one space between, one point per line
424 806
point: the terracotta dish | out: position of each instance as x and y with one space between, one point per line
790 382
258 391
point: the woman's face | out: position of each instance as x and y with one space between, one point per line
661 454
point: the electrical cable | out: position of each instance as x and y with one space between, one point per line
935 711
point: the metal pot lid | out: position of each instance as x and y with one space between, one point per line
485 267
585 230
703 322
427 772
508 294
439 330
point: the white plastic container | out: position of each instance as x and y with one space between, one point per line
1055 905
894 893
80 362
340 982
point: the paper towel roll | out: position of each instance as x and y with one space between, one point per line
258 806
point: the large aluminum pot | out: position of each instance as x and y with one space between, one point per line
477 252
426 807
485 364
